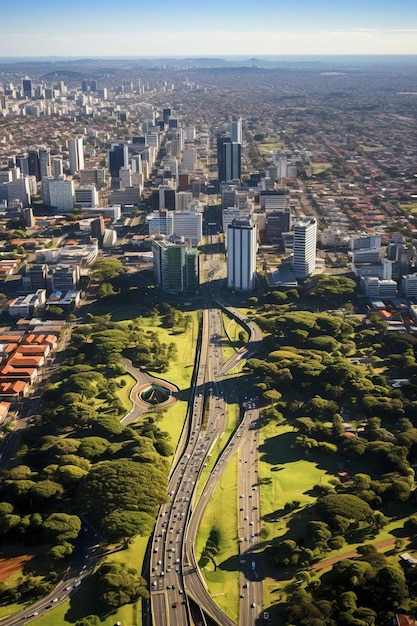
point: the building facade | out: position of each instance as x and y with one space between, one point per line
241 255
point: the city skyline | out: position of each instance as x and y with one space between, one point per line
215 29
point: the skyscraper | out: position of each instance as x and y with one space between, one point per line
228 159
176 265
76 154
236 131
34 165
304 251
44 162
27 88
241 255
118 157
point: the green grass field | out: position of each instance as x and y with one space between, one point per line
223 582
318 168
271 143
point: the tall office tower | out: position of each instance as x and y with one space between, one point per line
137 164
44 162
189 133
176 265
93 85
278 221
241 255
125 176
22 162
281 161
236 131
76 154
28 217
118 157
19 190
304 250
84 86
33 164
233 213
189 158
57 167
228 159
166 114
189 224
161 222
27 88
58 193
184 200
167 198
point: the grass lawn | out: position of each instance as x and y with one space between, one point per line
318 168
122 392
223 583
179 373
232 416
409 207
271 143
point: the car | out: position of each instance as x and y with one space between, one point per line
184 601
77 584
242 595
175 604
253 605
159 562
180 591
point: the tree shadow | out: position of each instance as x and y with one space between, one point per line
281 449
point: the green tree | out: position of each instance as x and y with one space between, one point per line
106 269
117 584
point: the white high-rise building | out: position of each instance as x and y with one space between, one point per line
58 193
229 215
161 222
189 133
76 154
304 250
125 176
189 158
236 131
189 224
241 255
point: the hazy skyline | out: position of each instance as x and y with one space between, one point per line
266 27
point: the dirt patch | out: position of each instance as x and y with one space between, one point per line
11 561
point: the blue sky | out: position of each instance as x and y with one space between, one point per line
214 27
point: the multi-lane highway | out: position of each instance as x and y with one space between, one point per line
174 576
